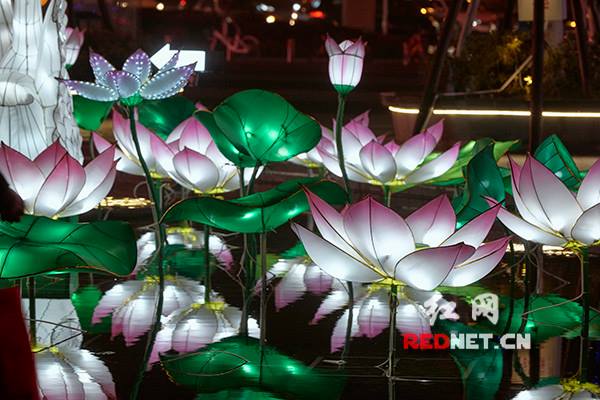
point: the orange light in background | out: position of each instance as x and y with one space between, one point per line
423 10
572 24
317 14
44 2
182 3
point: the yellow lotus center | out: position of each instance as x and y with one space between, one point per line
572 385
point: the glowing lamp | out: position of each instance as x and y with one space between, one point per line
191 328
189 156
369 243
367 160
550 213
345 63
134 82
133 303
54 184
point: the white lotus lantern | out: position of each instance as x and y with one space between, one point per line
54 184
369 243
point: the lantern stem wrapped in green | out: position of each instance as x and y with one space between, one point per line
207 283
263 290
32 316
392 342
154 193
585 317
339 123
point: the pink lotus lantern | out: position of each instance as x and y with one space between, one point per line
368 242
368 160
549 212
54 184
345 63
189 156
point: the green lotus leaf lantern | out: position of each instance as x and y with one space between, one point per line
257 127
238 362
259 212
38 245
89 114
482 179
480 370
454 176
85 299
162 116
555 156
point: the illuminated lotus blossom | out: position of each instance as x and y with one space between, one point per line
191 238
368 242
345 63
191 328
298 276
55 184
371 312
35 109
189 156
367 160
134 82
566 391
550 213
64 371
73 44
312 158
132 304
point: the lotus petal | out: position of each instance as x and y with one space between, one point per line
378 233
529 231
92 91
374 314
481 263
60 188
22 174
558 202
338 336
47 159
432 223
198 170
166 83
123 82
588 194
587 227
333 260
412 152
100 67
410 318
426 269
330 224
378 162
139 65
436 167
474 232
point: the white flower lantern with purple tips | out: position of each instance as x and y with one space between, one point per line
368 242
134 82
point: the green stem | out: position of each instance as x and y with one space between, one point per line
584 357
252 180
339 123
392 342
32 316
387 196
513 273
263 288
154 193
263 300
207 283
